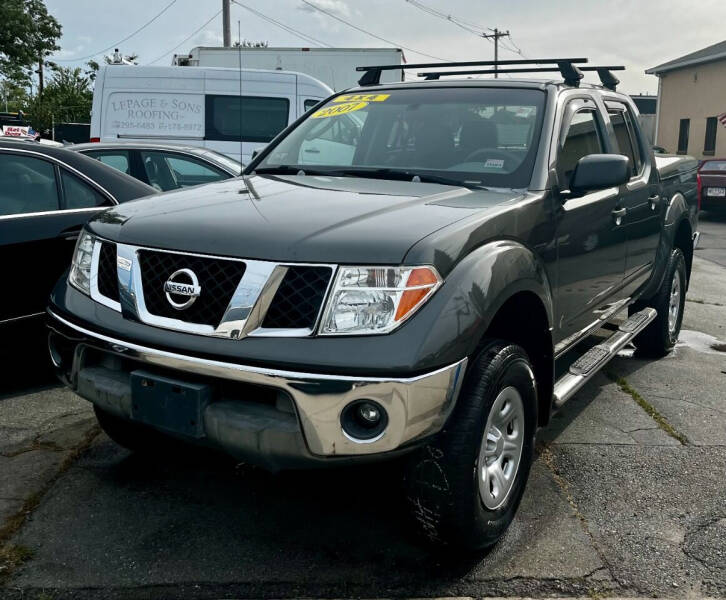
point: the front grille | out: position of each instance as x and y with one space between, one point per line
218 279
107 275
299 298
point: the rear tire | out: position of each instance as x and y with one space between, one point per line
661 335
132 436
464 487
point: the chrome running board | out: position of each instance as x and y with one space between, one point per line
585 367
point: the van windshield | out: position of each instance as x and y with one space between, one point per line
466 136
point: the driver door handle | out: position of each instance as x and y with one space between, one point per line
618 215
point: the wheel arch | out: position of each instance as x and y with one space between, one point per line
500 290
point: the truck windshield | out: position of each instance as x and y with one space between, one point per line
465 136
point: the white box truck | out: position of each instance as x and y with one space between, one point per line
227 110
333 66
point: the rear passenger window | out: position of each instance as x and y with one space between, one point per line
27 185
583 138
78 194
118 160
626 135
625 144
261 119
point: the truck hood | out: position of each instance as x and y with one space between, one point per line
297 218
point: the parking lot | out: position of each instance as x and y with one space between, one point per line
626 498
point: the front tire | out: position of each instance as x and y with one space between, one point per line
464 487
661 335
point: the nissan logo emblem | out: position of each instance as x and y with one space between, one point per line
182 284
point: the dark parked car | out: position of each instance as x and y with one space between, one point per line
46 195
431 287
712 184
163 166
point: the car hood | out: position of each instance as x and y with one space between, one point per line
297 218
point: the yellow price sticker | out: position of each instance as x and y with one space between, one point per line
338 109
362 98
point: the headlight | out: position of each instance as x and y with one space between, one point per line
80 276
369 300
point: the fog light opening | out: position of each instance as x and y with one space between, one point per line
364 421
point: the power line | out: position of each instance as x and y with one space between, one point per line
295 32
471 28
378 37
186 39
117 44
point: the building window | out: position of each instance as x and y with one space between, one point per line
709 145
683 136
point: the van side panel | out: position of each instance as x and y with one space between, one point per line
188 105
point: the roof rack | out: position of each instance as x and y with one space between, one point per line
570 72
607 79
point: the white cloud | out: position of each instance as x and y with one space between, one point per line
338 7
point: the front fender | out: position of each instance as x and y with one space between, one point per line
476 289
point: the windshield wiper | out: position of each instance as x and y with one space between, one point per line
294 170
406 175
370 172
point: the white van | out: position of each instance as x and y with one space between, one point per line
200 105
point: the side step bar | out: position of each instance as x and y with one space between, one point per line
585 367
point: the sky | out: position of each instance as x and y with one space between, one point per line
636 33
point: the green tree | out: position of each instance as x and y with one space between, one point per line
67 98
28 34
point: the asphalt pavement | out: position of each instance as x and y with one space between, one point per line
627 497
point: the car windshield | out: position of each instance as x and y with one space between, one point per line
466 136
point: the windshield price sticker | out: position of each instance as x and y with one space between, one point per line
338 109
362 98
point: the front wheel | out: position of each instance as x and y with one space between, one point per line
464 487
662 333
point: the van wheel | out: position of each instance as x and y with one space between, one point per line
661 335
464 487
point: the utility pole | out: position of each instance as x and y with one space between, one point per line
496 35
40 76
226 31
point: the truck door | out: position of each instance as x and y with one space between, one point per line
639 197
590 241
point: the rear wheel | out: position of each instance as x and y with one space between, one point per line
465 486
662 333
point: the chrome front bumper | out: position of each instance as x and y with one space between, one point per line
417 406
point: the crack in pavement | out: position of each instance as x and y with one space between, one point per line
548 459
649 409
12 524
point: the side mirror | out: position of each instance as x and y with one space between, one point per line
255 153
599 171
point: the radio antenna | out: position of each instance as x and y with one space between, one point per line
239 54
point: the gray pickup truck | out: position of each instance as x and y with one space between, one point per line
421 271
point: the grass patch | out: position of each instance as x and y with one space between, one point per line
650 410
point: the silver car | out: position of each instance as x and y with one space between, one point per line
163 166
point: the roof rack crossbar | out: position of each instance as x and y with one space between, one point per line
372 74
606 77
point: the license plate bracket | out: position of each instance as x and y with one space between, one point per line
717 192
170 404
